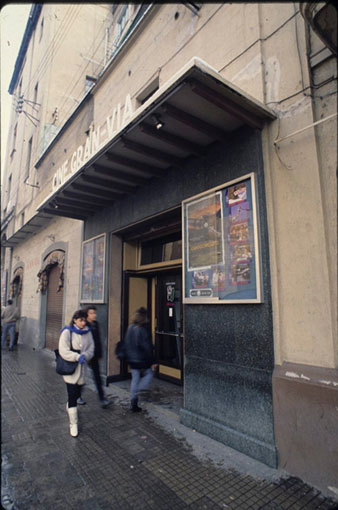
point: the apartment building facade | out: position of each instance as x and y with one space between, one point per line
194 177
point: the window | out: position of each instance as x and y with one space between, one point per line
14 135
123 19
35 100
41 28
121 23
28 161
14 139
90 81
9 187
36 92
166 249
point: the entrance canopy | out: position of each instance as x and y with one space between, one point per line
32 227
195 108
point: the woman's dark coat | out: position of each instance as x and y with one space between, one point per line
138 347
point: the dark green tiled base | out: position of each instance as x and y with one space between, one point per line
250 446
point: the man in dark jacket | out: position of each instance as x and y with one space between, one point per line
94 362
139 353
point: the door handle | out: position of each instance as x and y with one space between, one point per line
164 333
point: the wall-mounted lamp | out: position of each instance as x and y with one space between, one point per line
51 237
158 122
16 257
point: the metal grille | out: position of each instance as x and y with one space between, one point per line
54 309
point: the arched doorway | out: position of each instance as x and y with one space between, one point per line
16 287
51 277
54 309
16 295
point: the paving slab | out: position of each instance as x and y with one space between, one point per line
122 460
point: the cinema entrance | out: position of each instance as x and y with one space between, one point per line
155 282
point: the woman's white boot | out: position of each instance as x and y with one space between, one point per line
73 421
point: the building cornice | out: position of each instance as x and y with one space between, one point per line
30 27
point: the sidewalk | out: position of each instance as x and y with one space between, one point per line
122 460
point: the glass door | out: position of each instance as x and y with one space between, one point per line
169 326
136 293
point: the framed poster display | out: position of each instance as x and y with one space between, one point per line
221 260
93 270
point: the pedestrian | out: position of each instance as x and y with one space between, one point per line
94 362
78 336
140 356
9 315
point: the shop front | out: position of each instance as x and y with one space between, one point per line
174 220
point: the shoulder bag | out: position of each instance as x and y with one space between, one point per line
120 351
64 367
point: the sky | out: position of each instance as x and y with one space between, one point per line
13 20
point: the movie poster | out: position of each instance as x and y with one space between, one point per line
221 259
205 232
98 268
92 281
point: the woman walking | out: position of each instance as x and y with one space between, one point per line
139 353
76 344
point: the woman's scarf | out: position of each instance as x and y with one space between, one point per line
74 329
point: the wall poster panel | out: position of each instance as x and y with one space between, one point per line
221 262
93 270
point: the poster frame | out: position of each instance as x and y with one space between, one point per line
84 243
256 245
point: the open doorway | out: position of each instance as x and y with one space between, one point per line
152 278
169 326
160 293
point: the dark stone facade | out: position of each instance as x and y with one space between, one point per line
228 348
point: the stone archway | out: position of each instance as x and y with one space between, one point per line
16 287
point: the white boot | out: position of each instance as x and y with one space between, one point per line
73 420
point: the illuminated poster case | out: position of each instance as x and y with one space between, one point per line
92 270
221 258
